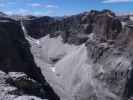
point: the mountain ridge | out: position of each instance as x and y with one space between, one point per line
92 51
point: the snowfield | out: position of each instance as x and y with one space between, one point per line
72 61
28 98
54 48
71 72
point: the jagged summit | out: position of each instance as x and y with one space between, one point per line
2 14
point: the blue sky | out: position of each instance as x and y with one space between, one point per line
62 7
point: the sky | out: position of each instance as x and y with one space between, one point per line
62 7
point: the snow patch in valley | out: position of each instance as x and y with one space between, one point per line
54 48
72 61
131 18
73 72
73 75
28 98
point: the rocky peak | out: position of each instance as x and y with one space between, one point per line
102 23
2 14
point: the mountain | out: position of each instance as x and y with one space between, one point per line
16 56
87 56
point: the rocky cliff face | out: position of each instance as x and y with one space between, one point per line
15 53
83 57
74 29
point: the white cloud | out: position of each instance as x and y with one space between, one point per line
48 6
116 1
47 13
35 4
51 6
24 12
20 11
8 12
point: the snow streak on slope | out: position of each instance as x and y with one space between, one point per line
74 76
54 48
28 37
73 59
28 98
71 75
73 72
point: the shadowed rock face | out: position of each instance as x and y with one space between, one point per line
16 56
39 27
15 49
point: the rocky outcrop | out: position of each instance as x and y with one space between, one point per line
39 27
15 86
74 29
25 85
15 55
